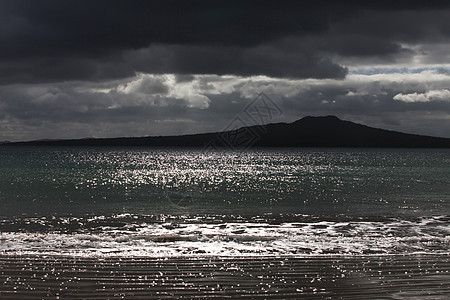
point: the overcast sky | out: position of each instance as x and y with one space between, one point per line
106 68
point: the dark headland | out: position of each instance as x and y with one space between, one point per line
327 131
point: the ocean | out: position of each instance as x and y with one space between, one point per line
189 202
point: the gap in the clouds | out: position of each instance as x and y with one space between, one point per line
371 70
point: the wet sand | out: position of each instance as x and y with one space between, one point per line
334 277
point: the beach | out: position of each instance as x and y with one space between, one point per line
321 277
104 223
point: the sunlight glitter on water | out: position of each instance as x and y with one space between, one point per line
132 235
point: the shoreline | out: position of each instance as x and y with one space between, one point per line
357 277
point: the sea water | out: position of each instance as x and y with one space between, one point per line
164 202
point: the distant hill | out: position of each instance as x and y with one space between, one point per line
327 131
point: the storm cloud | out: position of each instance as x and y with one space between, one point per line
128 68
83 40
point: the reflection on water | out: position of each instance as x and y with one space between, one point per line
77 181
168 202
219 235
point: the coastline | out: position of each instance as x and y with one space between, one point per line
424 276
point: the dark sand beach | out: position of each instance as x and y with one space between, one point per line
333 277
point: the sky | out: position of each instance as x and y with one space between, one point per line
107 68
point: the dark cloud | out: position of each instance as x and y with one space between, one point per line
264 60
50 40
79 68
184 77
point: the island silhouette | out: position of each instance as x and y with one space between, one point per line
324 131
